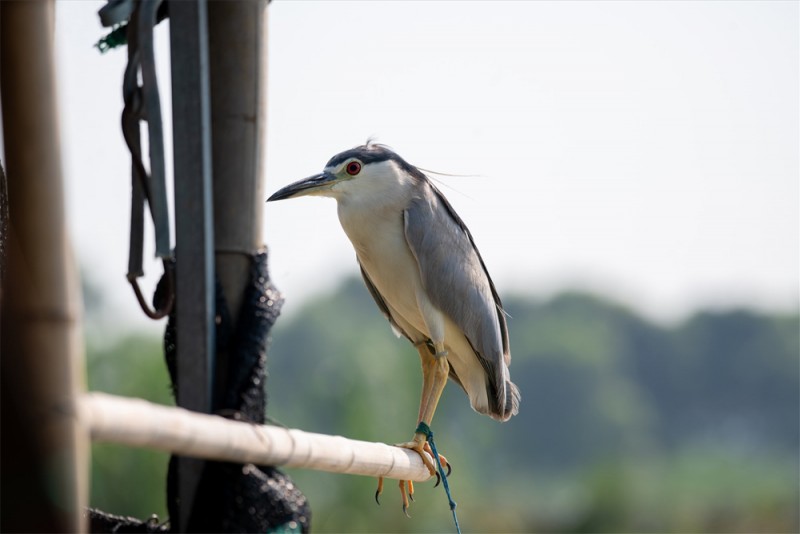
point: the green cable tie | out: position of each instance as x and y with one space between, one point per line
423 428
117 37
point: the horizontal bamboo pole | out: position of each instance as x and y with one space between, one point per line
138 423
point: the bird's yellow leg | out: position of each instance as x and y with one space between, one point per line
435 370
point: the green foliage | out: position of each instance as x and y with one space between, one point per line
624 425
125 480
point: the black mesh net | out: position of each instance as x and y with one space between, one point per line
231 497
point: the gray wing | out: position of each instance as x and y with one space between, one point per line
455 277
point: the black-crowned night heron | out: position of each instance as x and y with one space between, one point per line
421 266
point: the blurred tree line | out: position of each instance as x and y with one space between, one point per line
624 425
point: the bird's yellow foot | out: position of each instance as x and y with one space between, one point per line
445 464
407 486
420 444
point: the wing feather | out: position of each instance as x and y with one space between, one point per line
501 314
456 280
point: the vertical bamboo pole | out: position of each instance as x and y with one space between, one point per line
44 450
238 66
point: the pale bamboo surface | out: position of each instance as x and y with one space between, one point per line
138 423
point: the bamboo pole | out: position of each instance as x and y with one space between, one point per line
138 423
237 33
44 453
237 61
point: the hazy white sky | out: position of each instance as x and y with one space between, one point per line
646 150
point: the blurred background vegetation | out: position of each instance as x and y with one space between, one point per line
625 425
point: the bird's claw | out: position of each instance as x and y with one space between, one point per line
406 491
442 460
423 448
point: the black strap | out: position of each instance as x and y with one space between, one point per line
142 103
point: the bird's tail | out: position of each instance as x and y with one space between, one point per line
511 404
505 403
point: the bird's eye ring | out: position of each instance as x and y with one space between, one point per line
353 168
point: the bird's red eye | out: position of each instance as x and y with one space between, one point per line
353 168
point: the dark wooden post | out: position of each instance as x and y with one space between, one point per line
194 277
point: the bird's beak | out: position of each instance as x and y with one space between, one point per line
306 186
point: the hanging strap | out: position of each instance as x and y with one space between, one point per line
142 103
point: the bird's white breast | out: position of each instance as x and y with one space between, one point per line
371 214
383 252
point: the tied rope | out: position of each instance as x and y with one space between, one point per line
423 428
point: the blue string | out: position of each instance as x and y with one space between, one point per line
423 428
